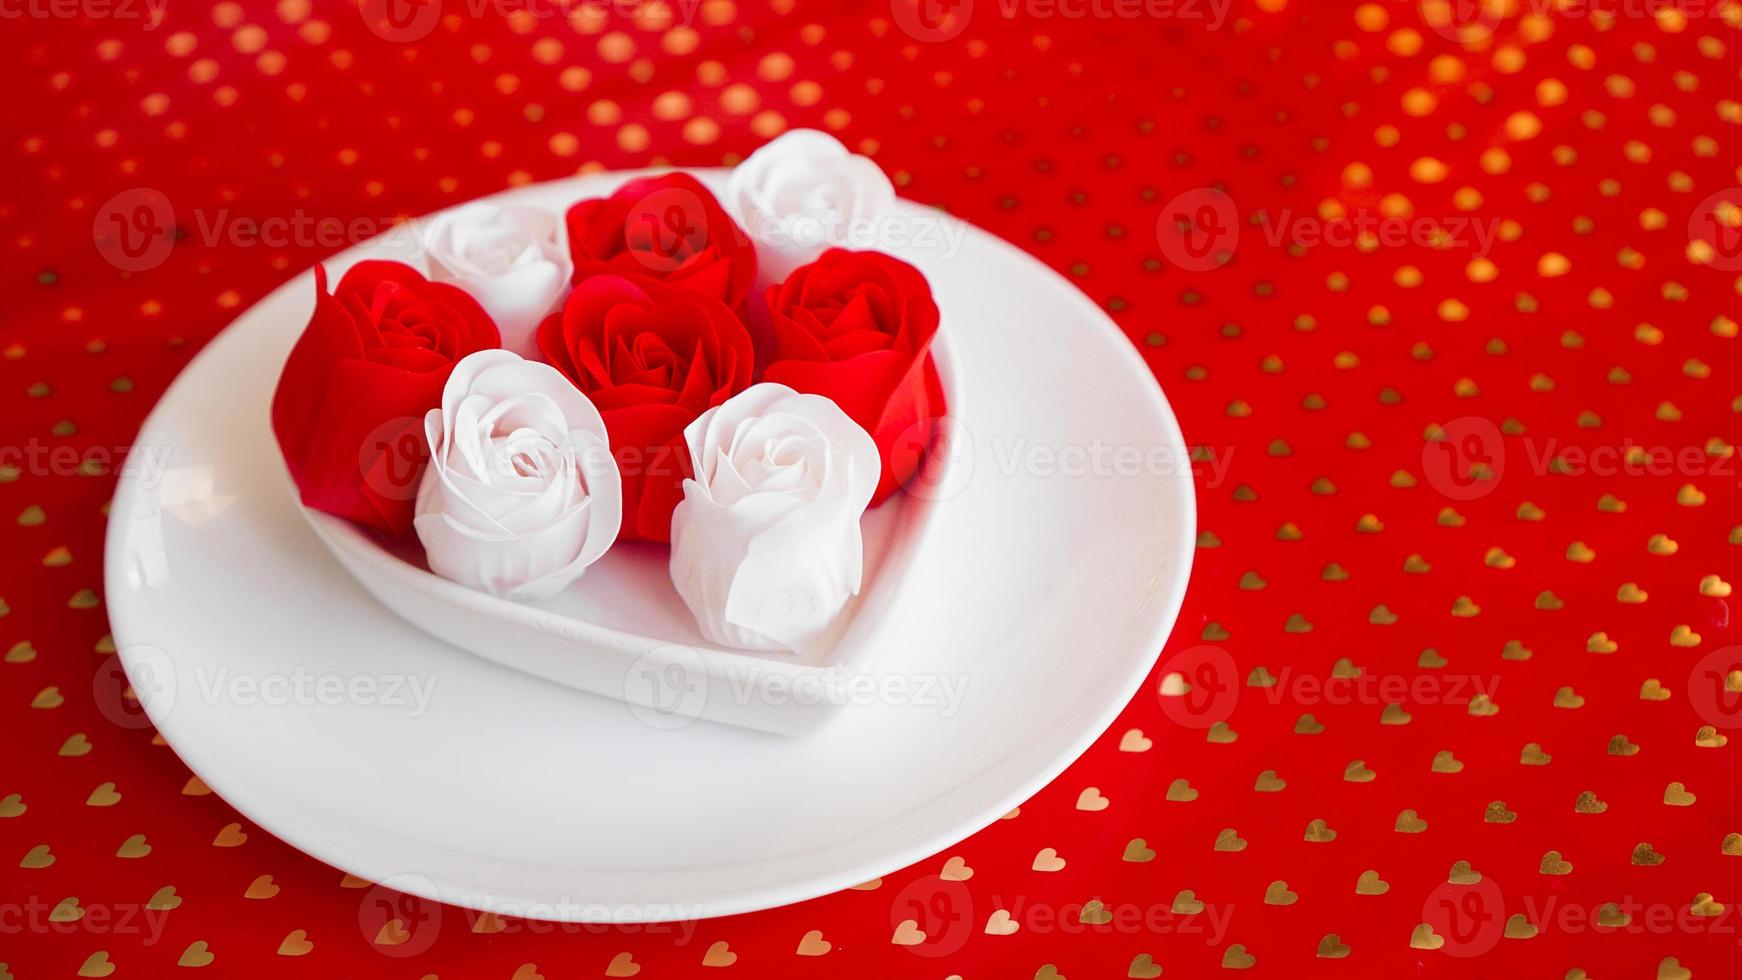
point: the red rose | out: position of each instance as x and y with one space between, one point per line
349 407
668 228
857 327
652 358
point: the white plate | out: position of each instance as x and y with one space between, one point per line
1053 571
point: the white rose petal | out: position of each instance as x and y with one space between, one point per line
510 258
521 493
765 547
804 193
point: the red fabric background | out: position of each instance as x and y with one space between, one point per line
1597 132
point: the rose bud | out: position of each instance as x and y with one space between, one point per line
652 357
521 493
668 228
803 193
507 257
348 411
857 327
766 547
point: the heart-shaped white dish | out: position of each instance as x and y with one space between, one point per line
622 631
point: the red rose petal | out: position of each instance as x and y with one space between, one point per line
350 401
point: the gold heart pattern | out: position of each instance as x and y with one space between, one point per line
133 847
1332 947
1424 938
1369 883
1553 864
719 954
1278 894
908 933
196 955
1047 859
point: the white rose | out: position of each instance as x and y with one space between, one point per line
521 493
805 193
509 258
765 547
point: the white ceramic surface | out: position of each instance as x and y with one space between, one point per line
1037 606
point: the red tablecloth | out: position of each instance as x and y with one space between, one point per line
1469 522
